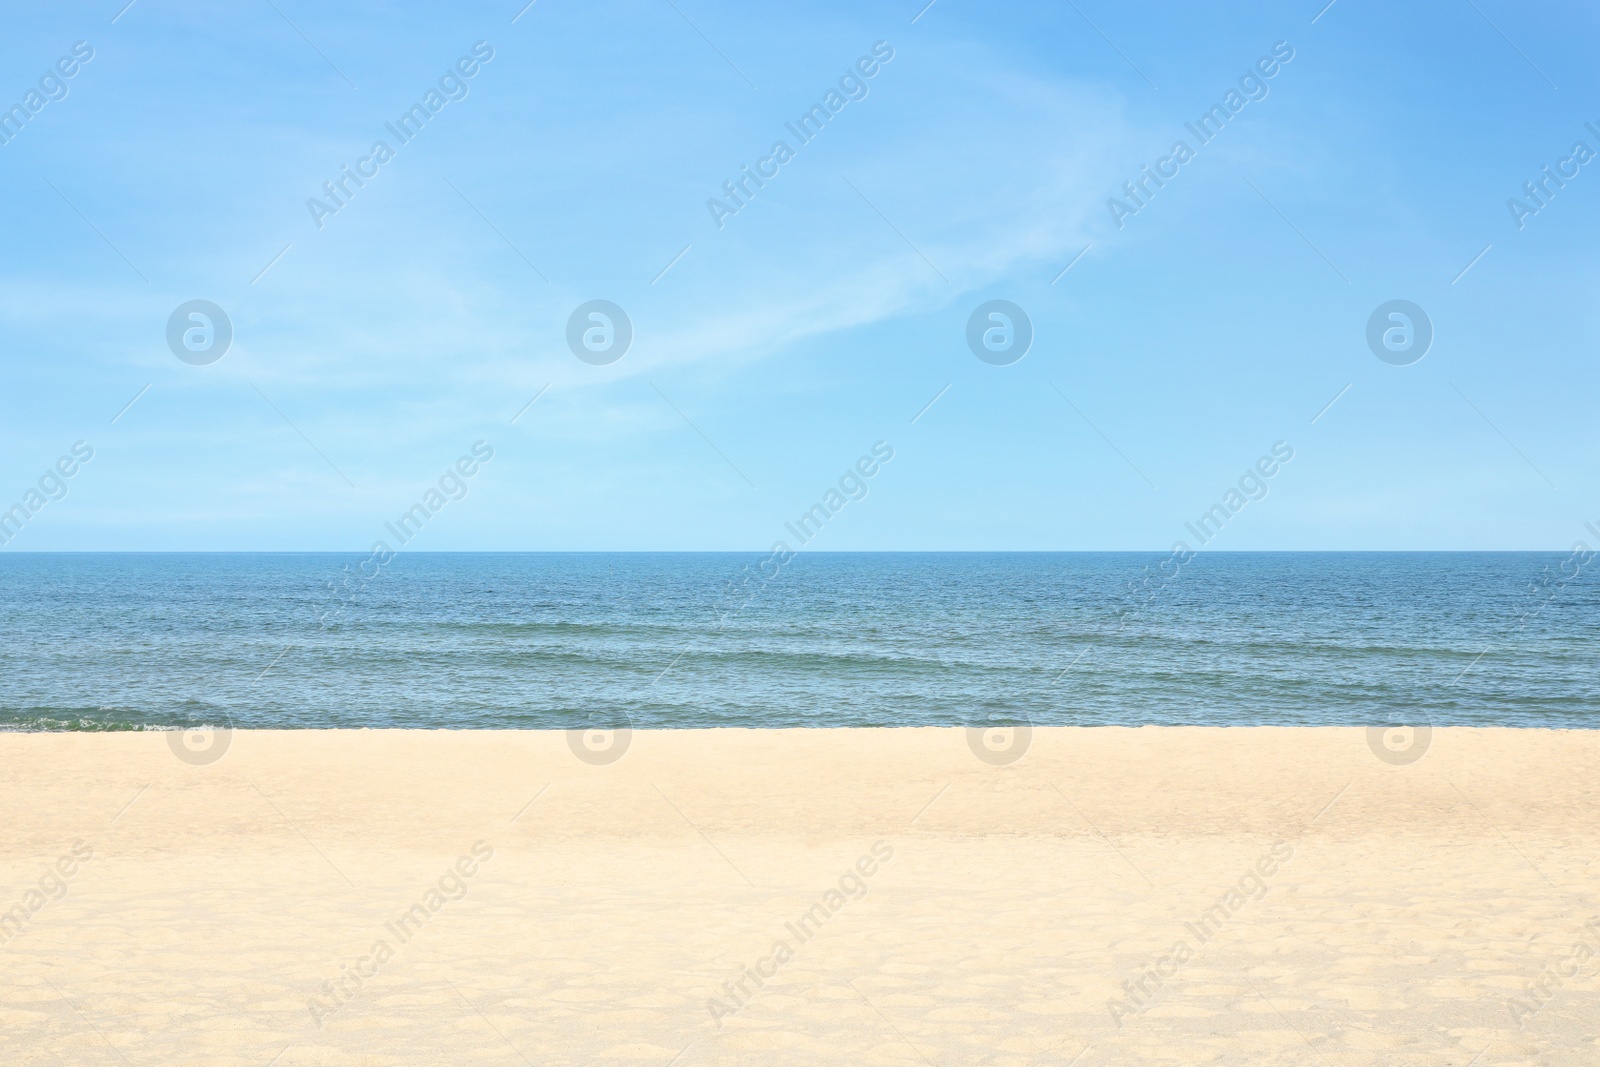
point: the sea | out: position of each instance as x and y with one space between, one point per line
123 641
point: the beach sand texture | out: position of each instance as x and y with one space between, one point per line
932 908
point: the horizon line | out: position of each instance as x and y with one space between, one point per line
762 551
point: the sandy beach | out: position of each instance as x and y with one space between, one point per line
1151 895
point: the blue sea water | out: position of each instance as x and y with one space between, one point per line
128 641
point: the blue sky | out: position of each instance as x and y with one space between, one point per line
425 313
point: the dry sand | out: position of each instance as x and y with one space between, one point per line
1336 909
